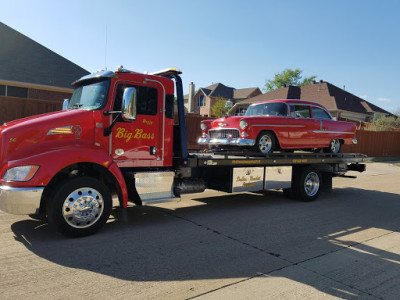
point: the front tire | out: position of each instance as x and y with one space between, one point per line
79 207
265 143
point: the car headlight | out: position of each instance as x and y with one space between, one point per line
243 124
22 173
203 126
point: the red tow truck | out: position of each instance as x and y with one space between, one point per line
116 136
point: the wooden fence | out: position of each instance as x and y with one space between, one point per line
15 108
376 143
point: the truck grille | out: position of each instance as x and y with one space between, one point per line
223 133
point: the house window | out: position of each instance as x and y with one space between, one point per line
2 90
201 100
241 111
15 91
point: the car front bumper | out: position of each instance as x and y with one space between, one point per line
20 201
226 141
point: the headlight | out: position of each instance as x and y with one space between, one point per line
22 173
203 126
243 124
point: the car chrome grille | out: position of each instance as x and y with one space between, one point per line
223 133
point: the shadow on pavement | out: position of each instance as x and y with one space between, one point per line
239 236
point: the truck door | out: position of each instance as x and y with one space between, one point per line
138 143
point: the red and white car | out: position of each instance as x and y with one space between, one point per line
280 125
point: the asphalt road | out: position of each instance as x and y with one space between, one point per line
220 246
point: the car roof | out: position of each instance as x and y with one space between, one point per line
292 101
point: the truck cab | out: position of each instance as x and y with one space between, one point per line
114 123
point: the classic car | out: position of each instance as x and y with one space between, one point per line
279 125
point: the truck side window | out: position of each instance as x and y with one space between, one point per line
169 106
147 99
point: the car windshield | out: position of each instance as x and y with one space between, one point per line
90 96
267 109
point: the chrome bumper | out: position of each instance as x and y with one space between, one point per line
20 201
227 141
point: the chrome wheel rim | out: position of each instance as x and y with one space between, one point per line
335 146
265 144
83 207
311 184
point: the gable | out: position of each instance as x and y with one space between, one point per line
24 60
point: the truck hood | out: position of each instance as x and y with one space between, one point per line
28 136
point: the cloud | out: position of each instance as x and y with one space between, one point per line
382 99
365 97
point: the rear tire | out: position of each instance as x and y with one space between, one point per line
334 147
80 206
306 184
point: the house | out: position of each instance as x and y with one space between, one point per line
33 79
201 101
340 103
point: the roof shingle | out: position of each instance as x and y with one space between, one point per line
24 60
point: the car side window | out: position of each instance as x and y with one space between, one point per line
320 114
300 111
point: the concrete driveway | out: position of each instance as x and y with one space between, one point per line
221 246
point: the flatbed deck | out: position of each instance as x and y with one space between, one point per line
252 159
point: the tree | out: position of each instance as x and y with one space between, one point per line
288 77
219 109
385 123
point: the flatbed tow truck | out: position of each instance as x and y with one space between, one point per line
117 136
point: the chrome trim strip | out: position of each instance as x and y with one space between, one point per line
20 201
326 131
260 125
235 142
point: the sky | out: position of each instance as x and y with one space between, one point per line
353 44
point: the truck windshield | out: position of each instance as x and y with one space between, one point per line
90 96
267 109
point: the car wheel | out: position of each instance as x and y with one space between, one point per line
335 146
79 207
265 143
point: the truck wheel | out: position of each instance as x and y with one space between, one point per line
265 142
79 207
306 184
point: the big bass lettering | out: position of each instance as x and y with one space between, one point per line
139 134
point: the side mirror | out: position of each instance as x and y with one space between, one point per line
129 105
65 104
